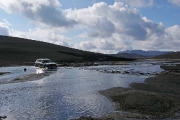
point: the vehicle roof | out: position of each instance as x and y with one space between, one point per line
43 59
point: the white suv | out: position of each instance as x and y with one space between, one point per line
46 64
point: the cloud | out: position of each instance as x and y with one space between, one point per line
4 28
46 12
173 31
113 27
105 45
94 19
152 28
138 3
167 40
131 30
45 35
102 21
170 40
175 2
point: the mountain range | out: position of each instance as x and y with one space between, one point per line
145 53
140 54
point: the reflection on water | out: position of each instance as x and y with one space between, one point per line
66 93
42 70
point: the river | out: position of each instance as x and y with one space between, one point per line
67 93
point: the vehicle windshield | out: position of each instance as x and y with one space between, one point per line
46 61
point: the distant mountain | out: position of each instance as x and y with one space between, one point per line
144 53
129 55
18 50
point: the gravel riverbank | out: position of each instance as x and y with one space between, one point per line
157 98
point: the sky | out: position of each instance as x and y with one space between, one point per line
103 26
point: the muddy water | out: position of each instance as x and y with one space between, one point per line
66 93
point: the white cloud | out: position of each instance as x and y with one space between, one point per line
45 35
138 3
93 19
102 21
113 27
46 12
176 2
169 40
173 31
105 45
4 27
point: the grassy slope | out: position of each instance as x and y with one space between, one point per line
17 50
173 55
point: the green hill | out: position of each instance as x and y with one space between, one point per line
172 55
19 51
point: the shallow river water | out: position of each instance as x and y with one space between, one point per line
68 92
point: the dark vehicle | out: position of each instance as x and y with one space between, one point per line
45 64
